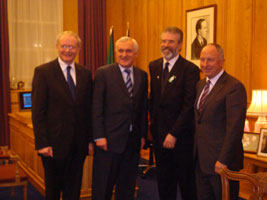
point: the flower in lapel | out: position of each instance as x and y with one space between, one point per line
172 78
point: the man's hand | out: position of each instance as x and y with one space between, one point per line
90 149
219 166
169 141
102 143
143 141
47 151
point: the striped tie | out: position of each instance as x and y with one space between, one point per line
204 95
128 82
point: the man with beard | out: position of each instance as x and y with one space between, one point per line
173 81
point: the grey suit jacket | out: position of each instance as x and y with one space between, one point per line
114 110
219 126
58 120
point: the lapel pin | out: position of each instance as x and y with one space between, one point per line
172 78
157 77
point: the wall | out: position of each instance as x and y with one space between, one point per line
241 31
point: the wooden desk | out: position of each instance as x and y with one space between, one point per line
22 143
252 164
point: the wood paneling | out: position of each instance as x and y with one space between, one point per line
241 31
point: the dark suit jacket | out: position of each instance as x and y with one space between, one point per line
173 111
219 126
114 110
196 48
58 120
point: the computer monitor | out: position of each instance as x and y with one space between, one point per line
25 101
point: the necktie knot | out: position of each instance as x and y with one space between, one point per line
68 68
128 72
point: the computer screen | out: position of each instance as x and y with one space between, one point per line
25 101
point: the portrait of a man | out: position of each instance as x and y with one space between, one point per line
201 38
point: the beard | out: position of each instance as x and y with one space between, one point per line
171 53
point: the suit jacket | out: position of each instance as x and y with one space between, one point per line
173 111
58 120
196 48
114 110
219 126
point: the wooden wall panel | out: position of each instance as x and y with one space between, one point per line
259 64
241 31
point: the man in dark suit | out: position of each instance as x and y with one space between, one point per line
220 112
119 123
61 107
200 40
173 82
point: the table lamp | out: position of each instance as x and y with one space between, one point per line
258 107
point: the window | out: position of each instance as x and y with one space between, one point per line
33 27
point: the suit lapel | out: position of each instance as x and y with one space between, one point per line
214 92
61 81
177 70
78 81
137 81
118 76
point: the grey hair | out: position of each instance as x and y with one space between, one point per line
125 39
219 49
69 33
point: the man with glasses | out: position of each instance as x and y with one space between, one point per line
61 99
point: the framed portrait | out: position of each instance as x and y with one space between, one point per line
250 142
262 150
200 30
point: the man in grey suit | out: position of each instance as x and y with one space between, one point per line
220 112
61 107
119 123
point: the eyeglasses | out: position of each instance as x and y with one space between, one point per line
70 47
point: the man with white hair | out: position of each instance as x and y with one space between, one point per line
119 123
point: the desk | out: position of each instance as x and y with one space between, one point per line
22 143
252 164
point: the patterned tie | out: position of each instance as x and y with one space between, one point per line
128 82
204 95
70 82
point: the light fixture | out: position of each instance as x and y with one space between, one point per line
258 107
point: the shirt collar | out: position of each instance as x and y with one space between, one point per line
171 61
64 65
215 78
123 68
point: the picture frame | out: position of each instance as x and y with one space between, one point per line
200 30
250 142
262 150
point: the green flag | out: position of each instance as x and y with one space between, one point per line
110 58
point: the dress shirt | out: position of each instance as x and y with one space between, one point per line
124 74
171 62
212 83
64 66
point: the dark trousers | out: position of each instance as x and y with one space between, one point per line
111 169
175 167
64 176
209 186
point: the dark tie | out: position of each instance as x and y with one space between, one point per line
128 82
70 82
204 95
165 76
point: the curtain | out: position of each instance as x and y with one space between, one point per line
4 75
92 31
33 28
